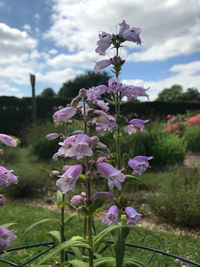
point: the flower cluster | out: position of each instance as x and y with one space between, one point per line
6 177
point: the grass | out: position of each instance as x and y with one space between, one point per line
25 215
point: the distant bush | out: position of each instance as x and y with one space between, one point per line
178 199
32 180
192 138
34 137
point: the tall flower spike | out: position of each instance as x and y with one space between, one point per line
114 176
139 164
133 216
68 180
6 176
111 217
6 238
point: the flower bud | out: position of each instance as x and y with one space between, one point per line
83 92
88 173
83 194
77 200
94 140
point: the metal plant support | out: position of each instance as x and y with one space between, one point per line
51 245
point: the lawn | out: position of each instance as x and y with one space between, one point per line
24 215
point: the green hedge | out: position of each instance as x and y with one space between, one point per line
15 113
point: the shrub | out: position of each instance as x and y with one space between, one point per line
192 138
34 137
32 180
178 199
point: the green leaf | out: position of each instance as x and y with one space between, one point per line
69 218
98 238
128 176
133 263
77 253
105 262
42 221
82 176
119 244
109 101
59 197
96 204
66 245
55 236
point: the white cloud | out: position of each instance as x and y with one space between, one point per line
58 76
187 77
27 27
53 51
37 17
14 44
169 28
8 90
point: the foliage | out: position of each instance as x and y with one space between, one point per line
47 92
178 199
192 138
175 93
32 179
87 80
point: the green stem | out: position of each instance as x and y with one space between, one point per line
62 253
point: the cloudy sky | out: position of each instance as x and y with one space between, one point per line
56 39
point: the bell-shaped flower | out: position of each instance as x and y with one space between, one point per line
68 180
123 27
135 123
52 136
64 114
102 64
6 176
114 85
139 164
80 148
6 238
103 105
132 34
132 92
7 140
103 43
114 176
65 146
111 217
133 216
95 92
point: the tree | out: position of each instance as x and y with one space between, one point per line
48 92
191 95
87 80
170 94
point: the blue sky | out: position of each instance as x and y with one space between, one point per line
56 39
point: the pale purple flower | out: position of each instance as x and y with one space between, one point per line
52 136
77 200
102 64
132 34
123 27
94 140
103 43
95 92
6 176
80 148
104 122
133 216
6 238
139 164
108 195
64 114
65 146
114 176
111 216
135 123
132 92
7 140
103 105
114 85
68 180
